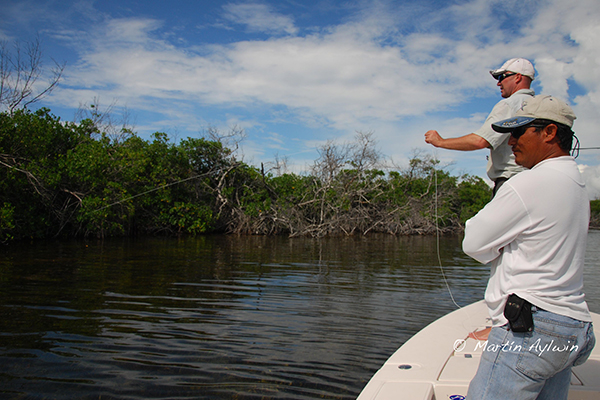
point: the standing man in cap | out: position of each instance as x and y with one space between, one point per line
514 79
534 234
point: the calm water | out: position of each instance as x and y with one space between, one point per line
223 317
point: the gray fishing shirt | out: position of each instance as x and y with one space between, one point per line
501 163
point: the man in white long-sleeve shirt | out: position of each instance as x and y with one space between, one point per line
534 234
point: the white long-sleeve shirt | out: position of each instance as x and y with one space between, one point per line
534 232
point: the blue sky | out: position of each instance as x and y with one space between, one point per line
295 74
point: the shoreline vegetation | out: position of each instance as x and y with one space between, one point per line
88 179
95 177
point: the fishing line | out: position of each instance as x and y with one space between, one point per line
469 317
464 324
437 233
150 191
576 147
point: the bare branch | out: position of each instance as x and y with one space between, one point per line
116 126
19 73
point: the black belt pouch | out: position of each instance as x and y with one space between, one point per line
518 313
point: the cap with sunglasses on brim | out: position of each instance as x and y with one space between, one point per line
539 107
517 66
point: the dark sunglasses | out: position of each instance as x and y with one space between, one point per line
520 131
504 76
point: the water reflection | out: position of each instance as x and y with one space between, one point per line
222 317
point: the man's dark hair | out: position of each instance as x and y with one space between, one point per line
564 133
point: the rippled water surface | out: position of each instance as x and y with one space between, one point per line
223 317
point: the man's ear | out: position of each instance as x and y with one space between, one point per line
518 78
550 133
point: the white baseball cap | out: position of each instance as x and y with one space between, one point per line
538 107
517 65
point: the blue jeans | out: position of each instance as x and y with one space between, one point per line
532 365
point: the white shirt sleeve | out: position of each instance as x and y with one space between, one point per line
500 111
496 225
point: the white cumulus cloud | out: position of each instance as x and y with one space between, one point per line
259 18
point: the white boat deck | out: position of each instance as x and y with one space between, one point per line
439 362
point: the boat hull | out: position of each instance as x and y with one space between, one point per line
440 361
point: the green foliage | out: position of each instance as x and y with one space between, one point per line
76 180
473 194
32 147
595 207
292 188
188 218
595 214
204 155
7 213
